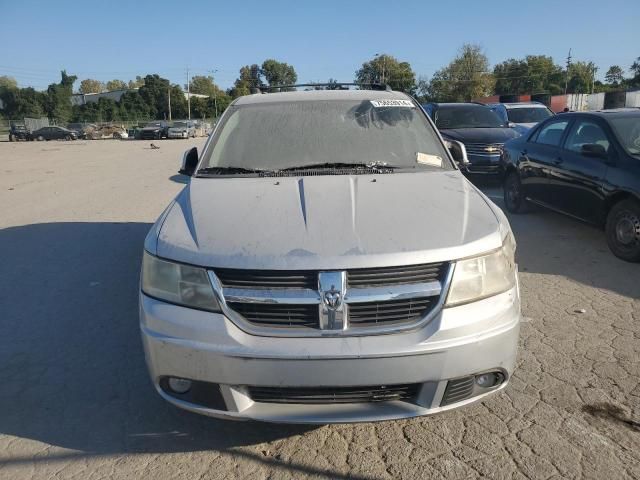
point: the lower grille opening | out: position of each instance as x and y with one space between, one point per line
269 315
331 395
458 390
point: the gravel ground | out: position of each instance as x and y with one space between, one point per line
75 400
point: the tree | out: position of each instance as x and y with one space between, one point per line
387 69
464 79
533 74
614 75
581 77
205 86
248 80
8 82
22 102
635 67
155 93
278 73
58 100
89 85
116 85
137 83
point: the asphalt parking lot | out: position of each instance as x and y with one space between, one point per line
76 402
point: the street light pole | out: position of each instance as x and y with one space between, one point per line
188 95
215 93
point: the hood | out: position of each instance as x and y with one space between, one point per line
327 222
480 135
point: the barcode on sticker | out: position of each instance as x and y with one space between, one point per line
392 103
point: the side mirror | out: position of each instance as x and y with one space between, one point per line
189 162
594 150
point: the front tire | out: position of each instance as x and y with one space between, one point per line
68 138
514 199
623 230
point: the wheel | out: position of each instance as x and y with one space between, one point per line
623 230
67 138
40 138
117 136
513 194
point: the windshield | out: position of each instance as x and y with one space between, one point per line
528 115
153 124
471 116
287 135
627 130
180 125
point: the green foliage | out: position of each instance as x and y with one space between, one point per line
533 74
464 79
22 102
137 83
614 75
57 104
387 69
155 93
635 67
581 77
8 82
248 80
116 85
278 73
89 85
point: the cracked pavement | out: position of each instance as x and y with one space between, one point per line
76 402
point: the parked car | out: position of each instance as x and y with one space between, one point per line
182 130
53 133
328 262
154 131
18 132
522 116
106 131
473 133
586 165
79 128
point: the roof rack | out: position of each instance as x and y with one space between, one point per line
336 86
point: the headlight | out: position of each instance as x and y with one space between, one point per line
177 283
481 277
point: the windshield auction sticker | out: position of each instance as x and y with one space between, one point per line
427 159
392 103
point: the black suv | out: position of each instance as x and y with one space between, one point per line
18 132
586 165
474 134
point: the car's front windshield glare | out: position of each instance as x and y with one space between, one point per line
287 135
528 115
467 117
627 130
179 125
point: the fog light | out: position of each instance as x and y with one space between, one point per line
179 385
488 380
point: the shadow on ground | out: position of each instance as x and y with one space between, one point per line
71 359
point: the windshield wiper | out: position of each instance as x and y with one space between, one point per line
328 165
228 171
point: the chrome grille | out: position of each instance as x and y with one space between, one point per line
488 149
375 277
343 302
296 316
329 395
267 278
393 311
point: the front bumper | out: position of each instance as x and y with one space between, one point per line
207 347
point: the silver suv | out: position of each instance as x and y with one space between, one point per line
328 262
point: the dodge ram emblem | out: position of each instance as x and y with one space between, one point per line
332 298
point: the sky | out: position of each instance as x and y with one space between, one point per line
326 39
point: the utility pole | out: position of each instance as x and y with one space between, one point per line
566 79
188 95
215 92
169 96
